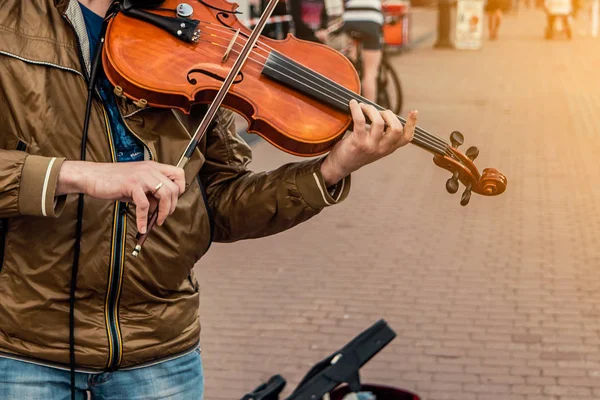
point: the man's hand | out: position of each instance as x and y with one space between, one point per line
364 146
129 182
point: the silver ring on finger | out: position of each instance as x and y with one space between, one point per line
157 188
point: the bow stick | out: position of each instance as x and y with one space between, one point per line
212 110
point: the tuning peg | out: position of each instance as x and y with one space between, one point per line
472 153
452 184
457 139
466 196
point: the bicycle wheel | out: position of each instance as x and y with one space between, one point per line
389 90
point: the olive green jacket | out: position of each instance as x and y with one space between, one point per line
129 311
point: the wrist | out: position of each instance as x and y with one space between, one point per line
71 178
331 173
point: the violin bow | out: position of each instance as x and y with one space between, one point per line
212 110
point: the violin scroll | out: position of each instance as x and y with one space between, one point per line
490 182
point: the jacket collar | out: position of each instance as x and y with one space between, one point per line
72 10
61 5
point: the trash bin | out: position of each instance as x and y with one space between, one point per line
396 30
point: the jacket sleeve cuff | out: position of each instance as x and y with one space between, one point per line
315 192
37 192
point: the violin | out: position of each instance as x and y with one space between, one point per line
293 93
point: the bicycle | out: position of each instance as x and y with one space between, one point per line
389 88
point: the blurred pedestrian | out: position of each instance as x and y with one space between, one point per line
363 19
495 10
310 19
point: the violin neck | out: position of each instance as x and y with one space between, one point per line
311 83
421 138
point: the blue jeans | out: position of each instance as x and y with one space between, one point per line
181 378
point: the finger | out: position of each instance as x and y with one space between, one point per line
175 174
410 126
163 195
360 122
377 122
141 209
174 189
394 127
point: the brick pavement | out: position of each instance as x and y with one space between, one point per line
498 300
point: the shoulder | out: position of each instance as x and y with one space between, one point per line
36 30
36 18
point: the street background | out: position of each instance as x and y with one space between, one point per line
496 300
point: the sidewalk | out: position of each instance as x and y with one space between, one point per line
498 300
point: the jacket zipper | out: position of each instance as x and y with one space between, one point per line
115 283
117 263
115 272
40 63
117 256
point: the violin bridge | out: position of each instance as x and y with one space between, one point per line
228 51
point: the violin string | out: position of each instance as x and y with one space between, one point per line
342 101
347 95
221 28
339 98
425 141
419 138
262 64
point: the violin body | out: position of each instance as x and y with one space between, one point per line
135 60
293 93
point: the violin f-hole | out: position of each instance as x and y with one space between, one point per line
193 81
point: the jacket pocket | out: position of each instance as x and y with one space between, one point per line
21 146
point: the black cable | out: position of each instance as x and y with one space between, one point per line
80 204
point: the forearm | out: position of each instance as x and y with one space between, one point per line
251 205
332 173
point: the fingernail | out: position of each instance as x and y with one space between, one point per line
143 230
